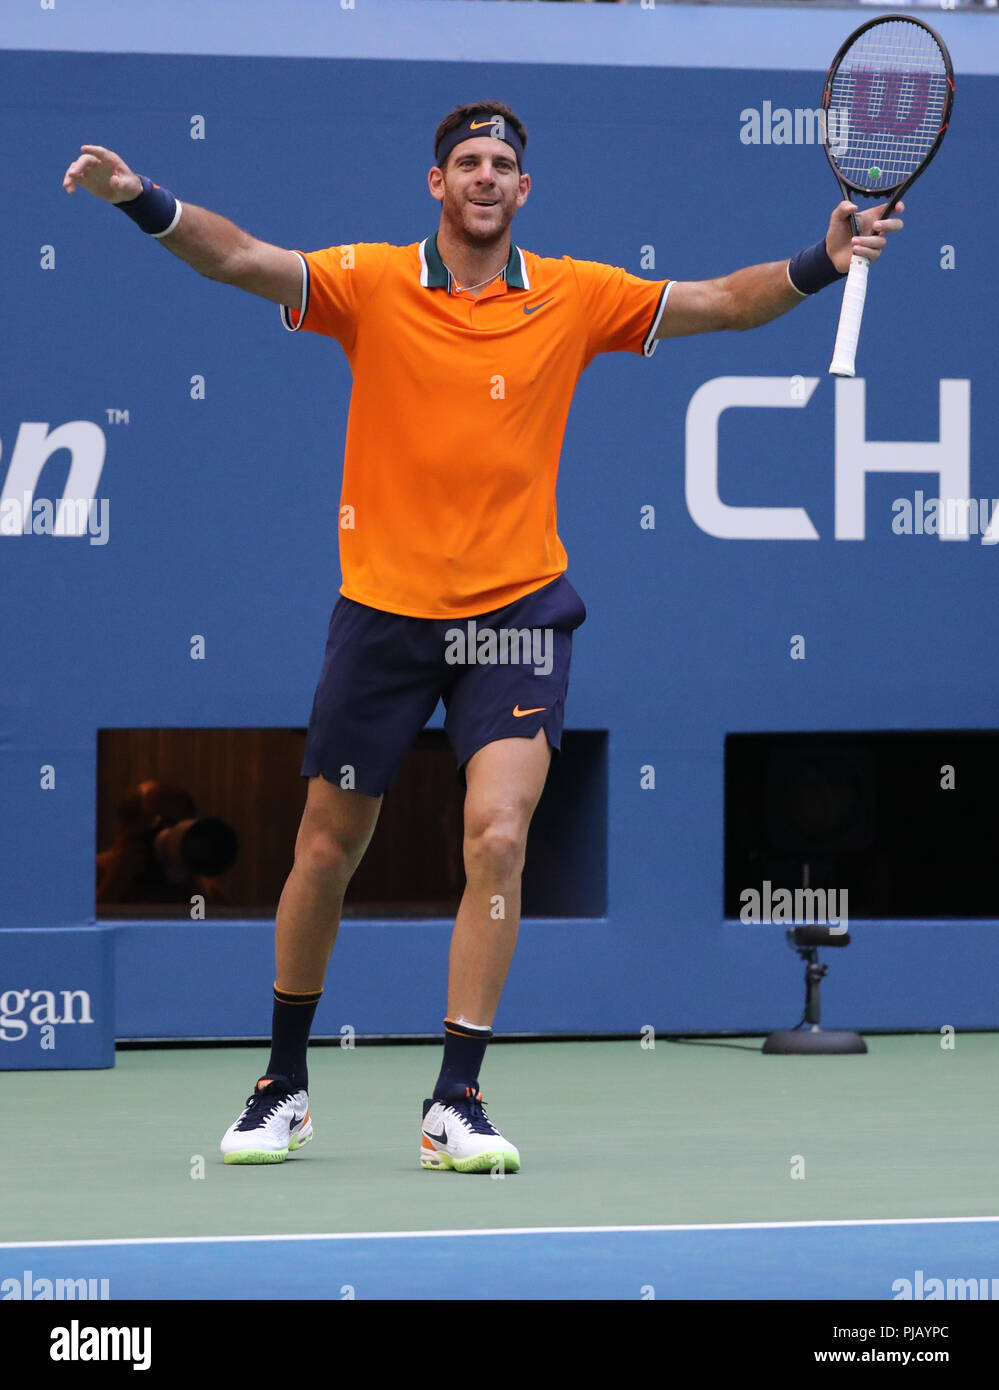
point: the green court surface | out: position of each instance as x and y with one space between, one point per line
610 1133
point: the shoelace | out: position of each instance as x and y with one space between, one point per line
260 1107
471 1112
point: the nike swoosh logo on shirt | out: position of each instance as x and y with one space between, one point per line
529 310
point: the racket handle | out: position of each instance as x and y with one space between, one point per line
850 316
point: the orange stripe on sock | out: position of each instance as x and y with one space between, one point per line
297 996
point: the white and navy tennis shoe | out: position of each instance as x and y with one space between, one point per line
458 1134
276 1122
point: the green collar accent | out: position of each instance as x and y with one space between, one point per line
434 274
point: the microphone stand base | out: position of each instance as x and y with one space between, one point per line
812 1041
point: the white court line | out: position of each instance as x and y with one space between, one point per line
505 1231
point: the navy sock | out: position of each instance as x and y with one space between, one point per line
464 1049
292 1022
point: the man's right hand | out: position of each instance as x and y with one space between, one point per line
211 245
103 173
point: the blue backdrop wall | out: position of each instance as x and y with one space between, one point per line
222 510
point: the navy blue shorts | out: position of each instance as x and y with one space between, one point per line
503 674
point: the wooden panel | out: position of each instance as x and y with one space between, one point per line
250 778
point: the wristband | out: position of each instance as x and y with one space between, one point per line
811 270
155 210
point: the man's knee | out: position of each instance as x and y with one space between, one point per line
324 854
332 839
495 846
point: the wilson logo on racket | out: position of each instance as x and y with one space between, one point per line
880 102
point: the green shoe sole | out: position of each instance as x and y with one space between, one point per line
501 1160
257 1156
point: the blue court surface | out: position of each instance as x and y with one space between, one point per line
867 1260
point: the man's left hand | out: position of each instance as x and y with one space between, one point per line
841 244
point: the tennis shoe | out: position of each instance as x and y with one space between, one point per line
458 1134
276 1122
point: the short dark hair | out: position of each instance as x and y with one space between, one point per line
460 114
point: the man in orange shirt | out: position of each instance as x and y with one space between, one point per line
465 352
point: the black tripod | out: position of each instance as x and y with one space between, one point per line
807 1036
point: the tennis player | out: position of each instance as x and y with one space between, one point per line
465 351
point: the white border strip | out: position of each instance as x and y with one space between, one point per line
507 1231
523 269
173 223
424 268
651 341
284 308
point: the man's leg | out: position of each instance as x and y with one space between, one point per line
335 830
492 710
504 780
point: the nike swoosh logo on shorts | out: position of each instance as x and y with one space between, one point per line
519 713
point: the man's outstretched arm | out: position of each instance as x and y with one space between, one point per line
212 245
751 297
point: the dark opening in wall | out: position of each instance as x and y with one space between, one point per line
905 821
242 790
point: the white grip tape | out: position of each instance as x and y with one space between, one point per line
850 316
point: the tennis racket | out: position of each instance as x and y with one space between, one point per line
886 106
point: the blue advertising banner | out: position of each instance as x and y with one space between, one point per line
57 1004
761 547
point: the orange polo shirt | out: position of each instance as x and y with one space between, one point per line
458 412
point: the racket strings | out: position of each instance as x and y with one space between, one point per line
889 94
